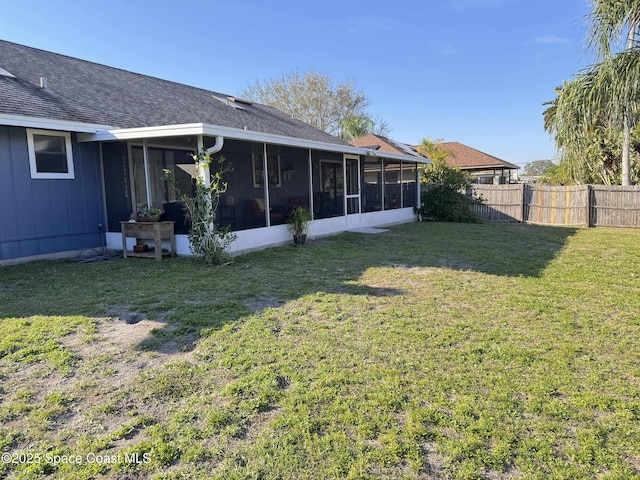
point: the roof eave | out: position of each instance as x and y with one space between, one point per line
397 156
490 167
232 133
51 124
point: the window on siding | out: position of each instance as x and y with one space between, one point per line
50 154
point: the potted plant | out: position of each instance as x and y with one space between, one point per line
149 214
140 246
298 222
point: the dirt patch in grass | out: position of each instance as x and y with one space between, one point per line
433 461
110 365
96 395
455 264
128 328
262 302
120 339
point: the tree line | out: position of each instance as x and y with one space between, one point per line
338 108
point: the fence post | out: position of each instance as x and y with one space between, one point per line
587 217
522 202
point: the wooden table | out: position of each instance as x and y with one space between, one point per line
156 231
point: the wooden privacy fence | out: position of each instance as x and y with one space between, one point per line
502 203
583 205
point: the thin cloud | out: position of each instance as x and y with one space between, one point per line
550 40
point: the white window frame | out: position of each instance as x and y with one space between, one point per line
70 175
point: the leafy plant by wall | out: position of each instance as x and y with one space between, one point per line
207 239
444 197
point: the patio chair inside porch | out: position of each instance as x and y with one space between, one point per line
276 214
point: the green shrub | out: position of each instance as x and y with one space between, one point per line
442 196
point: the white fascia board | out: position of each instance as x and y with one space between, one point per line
214 130
397 156
260 137
143 132
249 135
51 124
232 133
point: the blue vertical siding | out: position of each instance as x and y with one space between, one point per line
115 157
40 216
9 210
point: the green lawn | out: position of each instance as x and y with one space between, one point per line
431 351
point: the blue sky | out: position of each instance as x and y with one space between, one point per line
472 71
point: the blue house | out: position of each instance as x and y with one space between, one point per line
83 145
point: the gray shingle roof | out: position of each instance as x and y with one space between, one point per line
467 158
385 144
82 91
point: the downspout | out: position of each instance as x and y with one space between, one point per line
216 146
209 151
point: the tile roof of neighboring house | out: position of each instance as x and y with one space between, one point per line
86 92
465 158
384 144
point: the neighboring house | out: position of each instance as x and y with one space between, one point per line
529 179
484 167
83 145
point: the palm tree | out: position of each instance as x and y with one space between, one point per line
591 147
433 150
355 126
608 92
610 19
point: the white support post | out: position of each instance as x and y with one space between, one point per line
311 185
345 187
384 185
204 173
147 180
416 177
401 185
360 167
265 179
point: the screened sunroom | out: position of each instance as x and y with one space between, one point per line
344 187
